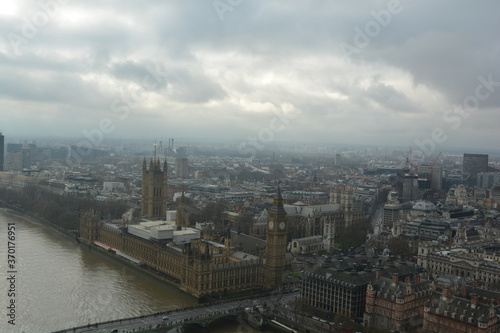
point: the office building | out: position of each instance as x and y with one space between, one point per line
391 214
14 147
181 164
495 193
13 161
486 180
474 164
434 174
410 188
181 167
25 157
338 159
340 288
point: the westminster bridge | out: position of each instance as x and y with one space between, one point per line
203 315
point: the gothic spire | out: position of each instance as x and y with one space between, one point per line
277 207
278 192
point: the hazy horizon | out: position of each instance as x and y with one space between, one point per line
333 147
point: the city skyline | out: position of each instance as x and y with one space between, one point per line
384 73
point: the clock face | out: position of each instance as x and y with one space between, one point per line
271 224
282 225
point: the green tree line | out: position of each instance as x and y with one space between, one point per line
60 210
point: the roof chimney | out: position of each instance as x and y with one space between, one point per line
446 292
473 300
395 277
416 277
377 273
463 290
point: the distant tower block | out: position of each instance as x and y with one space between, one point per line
154 190
474 164
181 167
338 160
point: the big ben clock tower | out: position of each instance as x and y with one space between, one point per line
276 243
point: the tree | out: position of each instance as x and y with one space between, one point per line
353 235
213 211
244 222
400 247
277 171
58 209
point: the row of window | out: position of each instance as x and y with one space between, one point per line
451 327
488 277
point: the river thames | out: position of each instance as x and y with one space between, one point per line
57 283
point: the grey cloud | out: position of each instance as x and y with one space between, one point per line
441 46
390 98
31 86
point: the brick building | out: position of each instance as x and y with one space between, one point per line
463 312
395 304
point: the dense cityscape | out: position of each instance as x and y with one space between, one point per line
368 239
257 166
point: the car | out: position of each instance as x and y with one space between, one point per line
115 330
165 318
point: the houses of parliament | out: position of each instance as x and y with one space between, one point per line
199 265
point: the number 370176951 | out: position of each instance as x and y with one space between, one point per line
11 246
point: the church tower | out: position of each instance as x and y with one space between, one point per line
344 196
276 243
154 190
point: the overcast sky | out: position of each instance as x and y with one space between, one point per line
377 72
